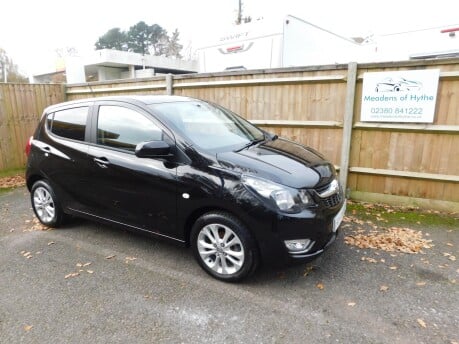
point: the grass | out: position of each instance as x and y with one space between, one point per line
389 216
12 172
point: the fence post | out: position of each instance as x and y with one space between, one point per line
169 84
347 123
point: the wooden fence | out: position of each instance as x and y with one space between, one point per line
416 164
21 106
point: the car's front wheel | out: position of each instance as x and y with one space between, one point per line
224 247
45 204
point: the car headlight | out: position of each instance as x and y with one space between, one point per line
285 198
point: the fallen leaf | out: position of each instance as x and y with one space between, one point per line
420 284
320 286
422 323
86 264
452 258
393 267
110 256
129 259
368 259
449 244
51 243
351 304
79 265
27 328
73 274
307 271
384 288
89 271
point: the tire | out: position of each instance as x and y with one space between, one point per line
223 247
46 205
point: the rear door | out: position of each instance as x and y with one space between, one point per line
62 152
139 192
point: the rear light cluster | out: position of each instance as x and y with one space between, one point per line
28 146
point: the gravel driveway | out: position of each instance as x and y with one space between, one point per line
91 283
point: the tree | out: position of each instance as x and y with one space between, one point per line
158 40
113 39
173 47
9 71
143 39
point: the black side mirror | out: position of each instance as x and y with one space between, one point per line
153 149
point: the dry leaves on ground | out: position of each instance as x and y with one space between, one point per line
27 328
392 239
422 323
11 182
36 226
384 288
320 286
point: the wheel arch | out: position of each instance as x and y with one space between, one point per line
32 179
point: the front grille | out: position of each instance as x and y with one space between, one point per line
329 195
331 201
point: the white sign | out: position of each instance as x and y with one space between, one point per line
402 96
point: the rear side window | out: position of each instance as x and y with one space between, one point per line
69 123
120 127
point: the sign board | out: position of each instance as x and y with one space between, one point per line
400 96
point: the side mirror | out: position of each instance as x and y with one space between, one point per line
153 149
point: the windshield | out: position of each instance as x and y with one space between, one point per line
208 126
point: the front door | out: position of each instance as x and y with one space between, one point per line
139 192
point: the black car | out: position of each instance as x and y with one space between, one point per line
188 171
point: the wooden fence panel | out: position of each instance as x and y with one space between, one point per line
387 161
21 106
413 162
418 152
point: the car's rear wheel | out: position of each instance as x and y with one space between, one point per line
224 247
46 205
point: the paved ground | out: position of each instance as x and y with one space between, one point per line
153 292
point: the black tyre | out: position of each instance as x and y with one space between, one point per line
46 205
224 247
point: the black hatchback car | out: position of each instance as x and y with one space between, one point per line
188 171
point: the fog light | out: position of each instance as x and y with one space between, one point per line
298 245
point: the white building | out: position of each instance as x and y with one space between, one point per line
276 43
107 64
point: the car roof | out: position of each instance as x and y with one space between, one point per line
135 99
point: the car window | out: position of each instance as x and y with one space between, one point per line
69 123
124 128
207 126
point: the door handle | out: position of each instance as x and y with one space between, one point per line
102 162
46 150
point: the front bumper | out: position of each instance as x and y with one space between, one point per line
321 225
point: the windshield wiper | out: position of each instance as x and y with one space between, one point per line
252 143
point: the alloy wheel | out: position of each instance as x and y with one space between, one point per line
220 249
44 204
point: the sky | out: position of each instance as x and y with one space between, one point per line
32 30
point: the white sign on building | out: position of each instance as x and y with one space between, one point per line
400 96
